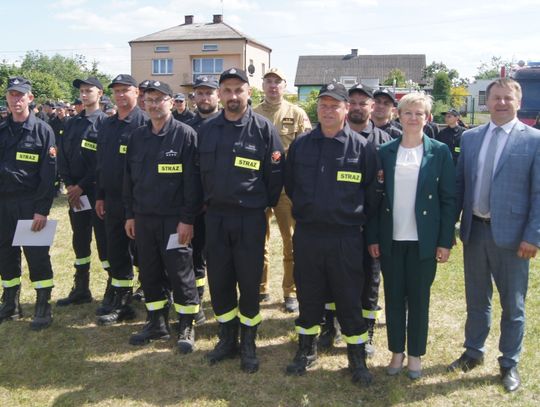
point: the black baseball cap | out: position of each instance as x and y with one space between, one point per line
358 87
19 84
234 73
205 81
334 90
179 97
91 80
104 100
77 102
386 93
453 112
60 105
3 109
50 103
144 84
160 87
123 79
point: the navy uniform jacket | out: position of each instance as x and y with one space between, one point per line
28 162
77 150
452 138
113 138
392 129
183 117
332 181
241 163
375 135
197 121
161 176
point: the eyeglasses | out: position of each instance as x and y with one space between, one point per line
157 101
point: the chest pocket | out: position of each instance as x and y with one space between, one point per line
305 174
248 157
28 154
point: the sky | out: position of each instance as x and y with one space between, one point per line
460 33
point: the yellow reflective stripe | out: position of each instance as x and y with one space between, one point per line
371 314
105 264
11 283
186 309
457 149
43 284
200 282
122 283
33 158
122 149
356 339
250 321
349 176
228 316
156 305
83 260
170 168
331 306
314 330
88 145
247 163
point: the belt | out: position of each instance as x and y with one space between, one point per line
487 221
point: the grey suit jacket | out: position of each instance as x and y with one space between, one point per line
515 193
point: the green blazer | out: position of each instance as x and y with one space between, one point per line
435 205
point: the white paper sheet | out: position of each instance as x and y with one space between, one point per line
173 242
25 237
85 204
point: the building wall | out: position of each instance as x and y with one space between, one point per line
182 53
260 57
475 90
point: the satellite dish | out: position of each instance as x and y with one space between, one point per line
251 69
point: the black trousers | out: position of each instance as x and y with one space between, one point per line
235 255
82 224
372 281
37 257
118 243
160 269
199 258
328 264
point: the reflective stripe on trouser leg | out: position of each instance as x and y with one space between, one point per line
371 314
250 321
82 261
122 283
330 306
11 283
228 316
356 339
314 330
200 282
105 264
156 305
43 284
186 309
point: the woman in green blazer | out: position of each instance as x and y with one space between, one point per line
413 230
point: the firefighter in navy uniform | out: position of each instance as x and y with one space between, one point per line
207 102
241 161
162 195
359 119
77 167
113 138
58 124
451 135
385 102
181 111
27 173
331 178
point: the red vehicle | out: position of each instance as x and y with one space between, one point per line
529 79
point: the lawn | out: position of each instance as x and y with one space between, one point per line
77 363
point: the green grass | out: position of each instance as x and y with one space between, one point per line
76 363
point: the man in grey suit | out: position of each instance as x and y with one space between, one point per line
498 188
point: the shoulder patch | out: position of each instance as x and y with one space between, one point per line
52 152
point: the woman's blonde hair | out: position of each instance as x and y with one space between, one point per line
414 98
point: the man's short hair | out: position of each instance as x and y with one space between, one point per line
505 83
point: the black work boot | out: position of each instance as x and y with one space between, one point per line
107 304
200 318
306 355
10 308
248 362
357 364
80 292
42 315
227 346
330 331
186 336
121 308
156 327
370 346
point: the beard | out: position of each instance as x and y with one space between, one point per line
206 109
234 106
357 117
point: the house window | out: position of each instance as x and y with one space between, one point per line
209 47
348 81
161 48
481 98
211 67
162 66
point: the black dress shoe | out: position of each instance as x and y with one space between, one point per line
510 378
465 363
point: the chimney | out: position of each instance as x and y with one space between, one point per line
218 18
188 19
354 52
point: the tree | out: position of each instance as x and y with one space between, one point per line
492 69
441 87
429 72
458 96
396 75
310 106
